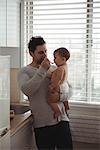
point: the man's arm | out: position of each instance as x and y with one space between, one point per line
30 86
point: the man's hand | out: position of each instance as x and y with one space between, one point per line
45 63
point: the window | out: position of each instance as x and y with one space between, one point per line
74 24
9 23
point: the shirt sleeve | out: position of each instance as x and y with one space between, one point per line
30 85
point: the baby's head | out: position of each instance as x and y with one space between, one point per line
61 55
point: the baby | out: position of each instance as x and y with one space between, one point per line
59 83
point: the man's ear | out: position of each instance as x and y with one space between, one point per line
31 53
64 59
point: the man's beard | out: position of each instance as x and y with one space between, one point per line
40 61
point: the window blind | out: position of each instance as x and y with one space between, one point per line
75 25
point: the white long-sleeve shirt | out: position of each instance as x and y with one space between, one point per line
34 83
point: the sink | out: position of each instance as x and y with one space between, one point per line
19 109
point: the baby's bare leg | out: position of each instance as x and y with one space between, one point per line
66 104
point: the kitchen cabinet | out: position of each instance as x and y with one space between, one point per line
4 94
23 139
5 141
9 23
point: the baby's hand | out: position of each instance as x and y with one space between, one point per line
49 73
45 63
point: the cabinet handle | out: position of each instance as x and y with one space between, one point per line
4 132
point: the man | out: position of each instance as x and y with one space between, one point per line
33 80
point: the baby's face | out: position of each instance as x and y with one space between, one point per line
58 59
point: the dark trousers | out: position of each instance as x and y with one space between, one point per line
49 137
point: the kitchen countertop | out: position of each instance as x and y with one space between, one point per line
18 121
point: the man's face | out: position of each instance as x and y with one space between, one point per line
40 53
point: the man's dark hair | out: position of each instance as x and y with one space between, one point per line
63 52
34 42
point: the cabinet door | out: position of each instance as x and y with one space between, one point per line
23 139
4 93
5 142
9 23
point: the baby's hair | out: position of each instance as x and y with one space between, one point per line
63 52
